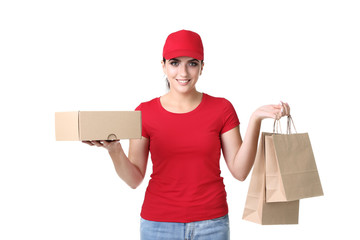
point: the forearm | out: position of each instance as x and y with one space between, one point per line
240 155
125 169
245 157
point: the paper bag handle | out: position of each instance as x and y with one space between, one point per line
276 126
290 122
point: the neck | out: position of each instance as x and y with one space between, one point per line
184 97
180 102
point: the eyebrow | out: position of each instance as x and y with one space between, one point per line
191 60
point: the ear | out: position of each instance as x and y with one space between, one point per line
163 66
202 66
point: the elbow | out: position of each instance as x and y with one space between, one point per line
240 176
240 173
131 181
135 184
242 179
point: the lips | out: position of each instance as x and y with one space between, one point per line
183 82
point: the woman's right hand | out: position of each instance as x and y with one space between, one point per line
111 146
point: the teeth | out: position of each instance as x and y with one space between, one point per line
183 81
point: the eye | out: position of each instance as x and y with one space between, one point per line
174 63
193 64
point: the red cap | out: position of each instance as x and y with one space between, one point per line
183 43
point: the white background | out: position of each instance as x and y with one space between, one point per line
105 55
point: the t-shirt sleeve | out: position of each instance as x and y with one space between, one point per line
230 118
143 120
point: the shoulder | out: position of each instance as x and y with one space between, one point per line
148 105
218 101
221 105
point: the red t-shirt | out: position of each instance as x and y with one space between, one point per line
185 149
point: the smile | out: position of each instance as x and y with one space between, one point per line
183 82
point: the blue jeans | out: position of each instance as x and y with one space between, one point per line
214 229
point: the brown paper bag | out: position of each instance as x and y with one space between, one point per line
291 172
256 209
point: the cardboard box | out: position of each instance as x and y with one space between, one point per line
97 125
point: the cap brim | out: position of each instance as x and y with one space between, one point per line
183 53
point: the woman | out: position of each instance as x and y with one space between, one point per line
185 131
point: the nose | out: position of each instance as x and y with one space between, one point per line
183 71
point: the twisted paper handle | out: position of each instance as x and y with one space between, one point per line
276 126
290 124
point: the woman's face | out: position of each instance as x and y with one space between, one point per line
182 73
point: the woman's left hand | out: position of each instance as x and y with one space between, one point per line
272 111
